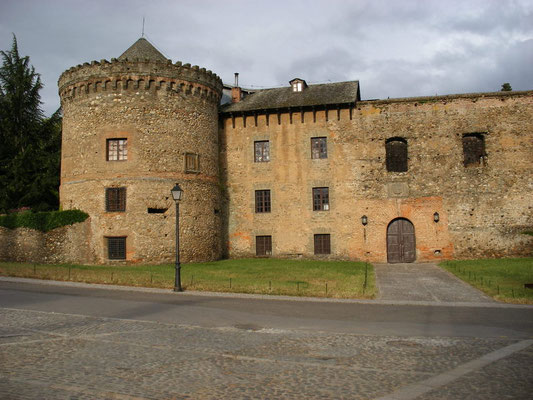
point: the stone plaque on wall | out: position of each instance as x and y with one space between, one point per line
397 189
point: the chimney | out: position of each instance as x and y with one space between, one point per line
236 93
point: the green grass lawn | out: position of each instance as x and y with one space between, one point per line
502 279
338 279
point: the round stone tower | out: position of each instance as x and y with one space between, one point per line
132 129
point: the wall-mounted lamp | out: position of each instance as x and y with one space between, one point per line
436 217
364 220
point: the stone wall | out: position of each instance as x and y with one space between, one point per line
482 208
164 111
68 244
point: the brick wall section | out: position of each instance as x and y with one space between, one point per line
482 209
68 244
164 110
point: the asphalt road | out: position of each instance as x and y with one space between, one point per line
80 342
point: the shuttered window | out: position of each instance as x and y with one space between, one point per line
263 245
473 149
396 154
192 163
322 244
116 248
262 201
115 199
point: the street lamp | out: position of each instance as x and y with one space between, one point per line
177 193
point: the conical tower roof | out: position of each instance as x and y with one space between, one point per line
142 49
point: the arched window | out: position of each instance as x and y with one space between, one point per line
396 154
473 149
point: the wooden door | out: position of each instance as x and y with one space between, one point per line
401 241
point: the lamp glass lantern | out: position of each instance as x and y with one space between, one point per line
364 220
436 217
177 193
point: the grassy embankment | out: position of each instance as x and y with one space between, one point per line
503 279
338 279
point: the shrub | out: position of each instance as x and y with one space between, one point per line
42 221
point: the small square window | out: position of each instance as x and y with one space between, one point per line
117 149
192 163
262 151
116 248
322 244
115 199
263 245
321 199
262 201
319 148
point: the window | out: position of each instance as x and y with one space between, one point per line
192 163
474 149
321 199
117 149
116 248
115 199
262 151
297 87
263 245
262 201
322 244
396 154
319 148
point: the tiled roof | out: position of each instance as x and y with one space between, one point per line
313 95
142 49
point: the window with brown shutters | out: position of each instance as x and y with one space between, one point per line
192 163
117 149
474 149
262 201
116 248
263 245
322 243
321 199
396 154
262 151
319 147
115 199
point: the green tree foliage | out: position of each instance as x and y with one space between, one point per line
29 143
506 87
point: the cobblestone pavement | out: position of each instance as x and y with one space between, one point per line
45 355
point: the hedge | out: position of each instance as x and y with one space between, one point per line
42 221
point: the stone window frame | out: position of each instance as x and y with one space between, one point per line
322 243
116 247
263 245
192 163
396 154
261 151
319 147
321 199
474 149
115 199
263 203
120 153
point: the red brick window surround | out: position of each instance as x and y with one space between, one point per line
116 248
117 149
322 243
263 245
321 199
319 148
115 199
262 201
262 151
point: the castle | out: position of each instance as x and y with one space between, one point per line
300 171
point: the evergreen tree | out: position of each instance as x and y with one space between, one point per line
29 142
506 87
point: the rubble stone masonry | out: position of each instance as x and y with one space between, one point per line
482 208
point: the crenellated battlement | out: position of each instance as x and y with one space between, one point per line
148 75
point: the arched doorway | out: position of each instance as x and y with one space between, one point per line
401 241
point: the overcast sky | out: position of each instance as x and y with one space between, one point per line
395 48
